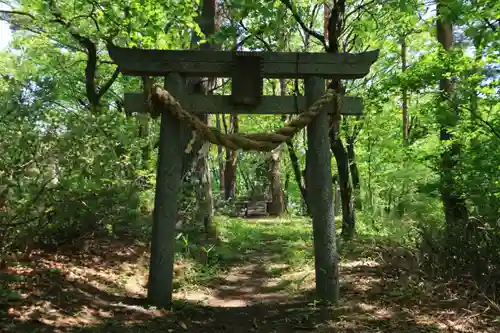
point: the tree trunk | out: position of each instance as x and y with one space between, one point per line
353 168
276 207
401 206
286 198
231 165
220 156
336 196
455 208
204 195
294 160
348 217
144 122
404 93
335 28
230 168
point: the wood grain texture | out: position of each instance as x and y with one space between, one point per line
197 103
140 62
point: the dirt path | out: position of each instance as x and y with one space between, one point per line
244 285
102 293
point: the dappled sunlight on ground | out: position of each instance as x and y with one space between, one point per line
267 290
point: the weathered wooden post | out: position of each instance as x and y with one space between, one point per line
168 182
320 196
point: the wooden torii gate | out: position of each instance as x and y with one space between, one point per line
246 70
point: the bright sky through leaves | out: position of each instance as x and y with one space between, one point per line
5 34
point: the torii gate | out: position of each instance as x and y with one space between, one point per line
247 70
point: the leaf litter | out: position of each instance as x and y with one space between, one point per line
104 291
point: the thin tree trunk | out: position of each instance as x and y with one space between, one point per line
220 156
299 175
353 168
231 164
294 160
404 93
144 124
336 196
401 206
286 191
231 156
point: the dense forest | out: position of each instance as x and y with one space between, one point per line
415 174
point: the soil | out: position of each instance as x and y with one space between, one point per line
104 291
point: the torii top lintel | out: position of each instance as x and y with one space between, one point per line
200 63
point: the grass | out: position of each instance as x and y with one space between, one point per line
259 277
288 240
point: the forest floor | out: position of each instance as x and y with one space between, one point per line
259 278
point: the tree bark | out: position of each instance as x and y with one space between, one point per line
220 157
348 217
286 188
404 93
230 168
353 168
276 208
204 198
455 208
231 164
401 206
334 31
92 92
204 195
144 125
294 160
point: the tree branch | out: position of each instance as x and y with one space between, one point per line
257 35
491 25
108 84
93 94
91 50
297 18
4 15
15 12
490 126
358 9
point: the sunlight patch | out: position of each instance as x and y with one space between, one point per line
358 263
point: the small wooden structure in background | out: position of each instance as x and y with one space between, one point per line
251 208
247 71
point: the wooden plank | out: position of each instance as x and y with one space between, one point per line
141 62
320 196
197 103
168 183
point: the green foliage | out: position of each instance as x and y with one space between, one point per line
287 240
66 174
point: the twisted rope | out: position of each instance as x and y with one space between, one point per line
160 100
